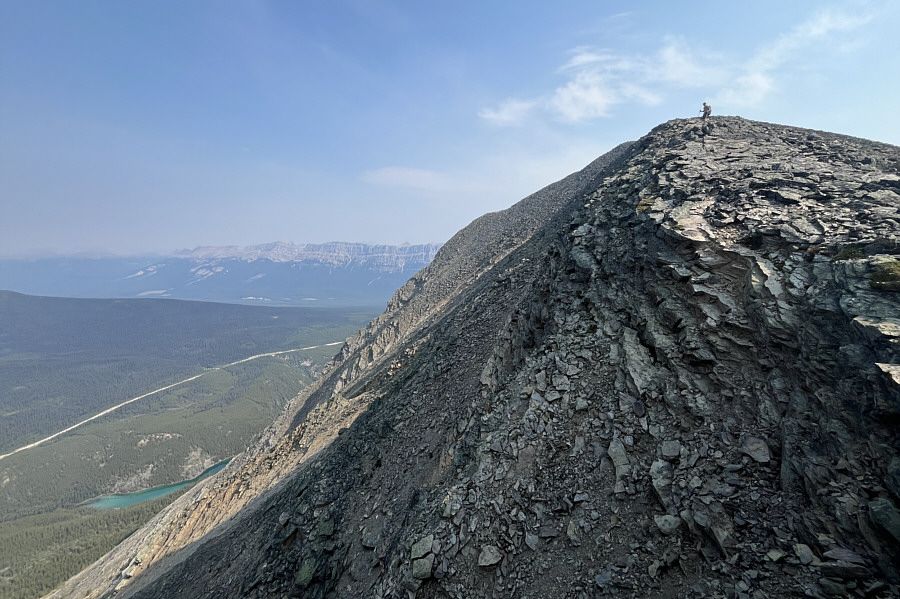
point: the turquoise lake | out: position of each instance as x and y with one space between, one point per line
119 501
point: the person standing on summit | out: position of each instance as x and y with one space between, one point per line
707 110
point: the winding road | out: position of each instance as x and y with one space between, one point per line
160 390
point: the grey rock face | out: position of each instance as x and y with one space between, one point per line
670 375
489 556
756 449
422 547
667 524
885 514
421 568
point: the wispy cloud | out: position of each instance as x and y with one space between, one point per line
586 96
510 111
679 65
490 183
758 77
583 56
597 80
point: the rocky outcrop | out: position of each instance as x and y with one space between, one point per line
674 374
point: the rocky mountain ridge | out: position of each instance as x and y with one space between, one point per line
388 258
672 374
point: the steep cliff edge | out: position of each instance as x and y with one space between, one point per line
673 374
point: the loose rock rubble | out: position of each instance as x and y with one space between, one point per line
675 374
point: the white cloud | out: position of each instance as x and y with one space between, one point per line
639 94
823 32
582 56
510 173
585 97
492 180
749 89
597 81
510 112
677 64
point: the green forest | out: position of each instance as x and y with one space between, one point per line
83 356
64 359
39 552
161 439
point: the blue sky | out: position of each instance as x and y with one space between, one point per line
150 126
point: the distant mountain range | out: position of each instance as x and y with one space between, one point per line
277 274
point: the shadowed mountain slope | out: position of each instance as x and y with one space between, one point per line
672 374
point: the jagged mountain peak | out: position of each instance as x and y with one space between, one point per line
671 374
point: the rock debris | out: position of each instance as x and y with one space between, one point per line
673 374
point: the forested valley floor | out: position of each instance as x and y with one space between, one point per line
63 360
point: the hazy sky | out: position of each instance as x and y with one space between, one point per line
149 126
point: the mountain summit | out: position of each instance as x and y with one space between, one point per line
675 373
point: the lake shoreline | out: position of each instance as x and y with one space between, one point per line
122 500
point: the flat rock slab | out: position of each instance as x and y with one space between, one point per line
667 525
757 449
421 547
421 568
489 556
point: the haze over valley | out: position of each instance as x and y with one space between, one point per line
397 299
